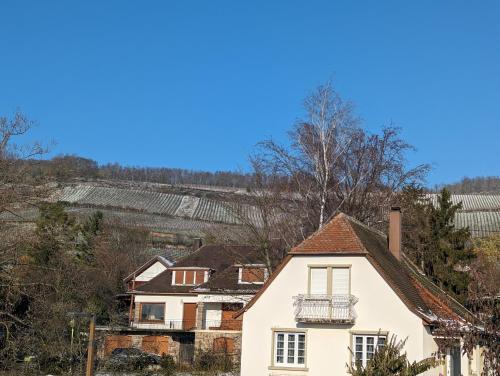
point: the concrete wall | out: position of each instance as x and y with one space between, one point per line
327 346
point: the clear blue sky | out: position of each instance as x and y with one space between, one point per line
195 84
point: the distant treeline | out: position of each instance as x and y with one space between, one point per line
68 167
487 184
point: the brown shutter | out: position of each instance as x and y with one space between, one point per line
223 345
179 277
116 342
200 277
189 316
252 275
189 277
155 345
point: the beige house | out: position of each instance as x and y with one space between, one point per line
346 288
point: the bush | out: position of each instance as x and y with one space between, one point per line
211 361
389 361
168 365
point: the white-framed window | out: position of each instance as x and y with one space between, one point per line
329 280
365 347
289 349
189 277
252 274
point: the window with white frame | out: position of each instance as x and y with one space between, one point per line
252 274
365 347
289 349
189 277
329 280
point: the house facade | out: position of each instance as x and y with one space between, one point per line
190 306
339 295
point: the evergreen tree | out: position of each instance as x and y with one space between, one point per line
448 252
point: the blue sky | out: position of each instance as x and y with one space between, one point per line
196 84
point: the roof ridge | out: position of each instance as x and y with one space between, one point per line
365 226
339 216
356 237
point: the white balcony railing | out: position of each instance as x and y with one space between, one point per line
325 308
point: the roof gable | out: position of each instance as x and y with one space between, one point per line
336 236
146 266
345 235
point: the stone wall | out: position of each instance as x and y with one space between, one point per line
219 341
156 344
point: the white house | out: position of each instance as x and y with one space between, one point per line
336 297
189 306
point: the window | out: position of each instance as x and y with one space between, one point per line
289 349
189 277
249 274
152 312
365 347
329 280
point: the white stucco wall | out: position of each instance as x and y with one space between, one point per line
151 272
327 353
173 307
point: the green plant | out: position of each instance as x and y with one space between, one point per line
389 361
168 365
214 361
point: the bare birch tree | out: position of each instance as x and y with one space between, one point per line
331 163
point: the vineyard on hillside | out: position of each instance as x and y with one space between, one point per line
153 202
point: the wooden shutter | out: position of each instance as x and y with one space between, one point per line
189 277
318 281
155 345
179 277
200 277
189 316
340 281
252 274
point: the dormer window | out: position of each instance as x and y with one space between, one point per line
189 276
252 274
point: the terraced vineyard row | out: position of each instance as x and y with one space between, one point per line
151 202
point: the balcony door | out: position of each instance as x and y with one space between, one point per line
189 316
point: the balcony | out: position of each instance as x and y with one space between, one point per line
337 309
188 325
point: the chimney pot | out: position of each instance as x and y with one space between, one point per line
395 231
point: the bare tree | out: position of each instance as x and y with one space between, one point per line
332 164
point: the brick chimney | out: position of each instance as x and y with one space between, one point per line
395 231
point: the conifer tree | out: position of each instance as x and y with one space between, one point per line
448 251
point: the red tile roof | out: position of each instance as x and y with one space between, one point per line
345 235
336 236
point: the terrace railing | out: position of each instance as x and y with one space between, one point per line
188 325
311 308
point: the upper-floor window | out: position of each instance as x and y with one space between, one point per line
329 280
365 347
189 277
252 274
289 349
152 312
